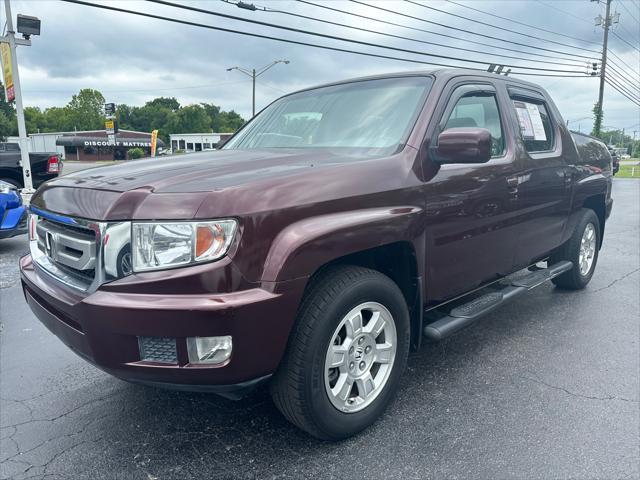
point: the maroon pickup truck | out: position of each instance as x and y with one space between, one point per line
333 233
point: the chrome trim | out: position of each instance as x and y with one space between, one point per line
101 248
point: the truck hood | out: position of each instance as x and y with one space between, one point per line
220 184
198 172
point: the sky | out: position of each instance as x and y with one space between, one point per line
132 59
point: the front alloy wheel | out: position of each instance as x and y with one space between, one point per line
346 353
360 357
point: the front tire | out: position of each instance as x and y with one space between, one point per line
581 250
346 353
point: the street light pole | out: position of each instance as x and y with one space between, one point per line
253 73
253 95
10 38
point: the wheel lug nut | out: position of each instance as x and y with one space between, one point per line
351 365
362 365
360 340
367 350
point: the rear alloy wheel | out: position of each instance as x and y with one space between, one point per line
346 353
588 249
581 250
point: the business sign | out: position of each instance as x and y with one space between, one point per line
154 142
7 70
116 143
110 127
109 109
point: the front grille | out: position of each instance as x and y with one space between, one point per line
158 349
68 252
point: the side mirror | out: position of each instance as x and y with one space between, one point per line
463 145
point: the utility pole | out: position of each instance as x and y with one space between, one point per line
10 39
253 73
605 23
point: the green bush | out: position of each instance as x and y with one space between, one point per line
134 153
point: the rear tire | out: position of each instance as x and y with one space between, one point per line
581 250
354 318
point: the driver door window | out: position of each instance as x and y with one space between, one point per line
479 110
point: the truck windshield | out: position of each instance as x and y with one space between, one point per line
375 116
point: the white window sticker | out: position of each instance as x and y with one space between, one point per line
530 121
536 121
524 119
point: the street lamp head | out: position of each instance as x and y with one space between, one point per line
232 68
286 62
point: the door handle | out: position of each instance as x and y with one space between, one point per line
513 182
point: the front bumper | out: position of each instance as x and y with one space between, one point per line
14 222
104 327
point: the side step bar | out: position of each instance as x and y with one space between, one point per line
464 315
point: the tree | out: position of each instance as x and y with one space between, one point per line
85 110
598 115
164 102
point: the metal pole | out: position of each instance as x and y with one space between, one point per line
253 108
607 23
22 129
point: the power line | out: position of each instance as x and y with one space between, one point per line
637 69
632 81
387 22
622 93
623 87
350 40
519 23
497 27
619 25
630 14
467 32
294 42
590 22
285 12
623 40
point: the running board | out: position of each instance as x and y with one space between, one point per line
465 315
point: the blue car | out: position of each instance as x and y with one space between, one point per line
13 215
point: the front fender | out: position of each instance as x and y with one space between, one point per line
304 246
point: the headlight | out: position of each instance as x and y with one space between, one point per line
158 245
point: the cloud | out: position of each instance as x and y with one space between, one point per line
133 59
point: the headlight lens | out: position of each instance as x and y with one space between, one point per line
158 245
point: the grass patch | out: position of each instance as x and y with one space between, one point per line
628 171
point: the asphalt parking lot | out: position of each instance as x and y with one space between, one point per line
546 387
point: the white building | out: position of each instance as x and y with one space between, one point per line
42 142
196 142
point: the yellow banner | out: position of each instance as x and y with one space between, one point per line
154 141
7 71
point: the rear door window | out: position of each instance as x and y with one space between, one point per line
535 123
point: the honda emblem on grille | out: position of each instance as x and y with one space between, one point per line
49 244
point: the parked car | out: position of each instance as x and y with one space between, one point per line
13 215
44 166
330 235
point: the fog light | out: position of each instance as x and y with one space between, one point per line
209 349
